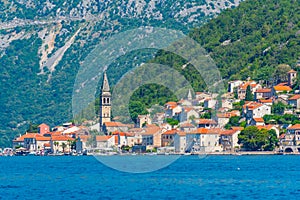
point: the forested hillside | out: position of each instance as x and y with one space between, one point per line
43 43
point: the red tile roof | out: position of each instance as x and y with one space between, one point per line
294 127
264 90
170 132
295 97
258 119
103 138
292 71
61 138
282 88
207 121
114 124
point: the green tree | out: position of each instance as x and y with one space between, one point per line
172 122
249 95
278 108
254 139
63 146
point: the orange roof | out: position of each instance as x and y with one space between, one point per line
103 138
122 134
187 125
114 124
228 132
292 71
266 100
151 130
43 138
258 119
226 115
206 121
268 127
171 104
237 128
206 131
245 85
61 138
252 105
264 90
282 88
84 138
296 126
170 132
295 97
43 124
282 84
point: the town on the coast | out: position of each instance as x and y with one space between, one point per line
251 116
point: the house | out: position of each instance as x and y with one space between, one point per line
227 104
43 128
210 103
167 138
241 90
233 84
268 102
255 110
105 141
229 139
264 93
187 127
280 89
109 127
202 96
206 123
151 137
257 122
143 120
294 101
171 108
290 141
180 142
203 140
187 114
223 118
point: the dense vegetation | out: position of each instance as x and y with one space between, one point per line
29 97
254 38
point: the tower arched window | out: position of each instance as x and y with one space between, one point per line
104 100
107 100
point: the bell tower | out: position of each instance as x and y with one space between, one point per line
105 102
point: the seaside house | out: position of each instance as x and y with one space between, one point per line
180 142
290 141
106 141
229 139
109 127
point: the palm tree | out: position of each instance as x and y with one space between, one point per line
56 144
63 146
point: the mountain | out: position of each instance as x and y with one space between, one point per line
253 39
43 44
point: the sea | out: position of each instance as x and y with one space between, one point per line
187 177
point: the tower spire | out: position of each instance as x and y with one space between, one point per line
105 84
105 102
190 97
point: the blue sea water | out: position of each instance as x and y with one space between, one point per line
189 177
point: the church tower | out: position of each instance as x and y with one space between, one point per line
105 102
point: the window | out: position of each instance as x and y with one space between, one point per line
104 100
107 100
